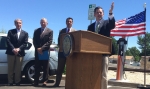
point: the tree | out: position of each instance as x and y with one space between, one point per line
144 42
135 53
128 53
114 42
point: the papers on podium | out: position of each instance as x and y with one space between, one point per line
44 55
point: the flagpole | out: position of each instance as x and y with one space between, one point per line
145 50
144 86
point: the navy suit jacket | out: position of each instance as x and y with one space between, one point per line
104 29
14 42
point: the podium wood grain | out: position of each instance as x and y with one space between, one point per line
83 71
84 64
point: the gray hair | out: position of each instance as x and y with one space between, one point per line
44 19
17 20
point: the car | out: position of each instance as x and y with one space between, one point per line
28 68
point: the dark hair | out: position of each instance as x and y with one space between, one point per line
69 18
96 8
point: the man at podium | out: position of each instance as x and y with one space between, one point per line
103 27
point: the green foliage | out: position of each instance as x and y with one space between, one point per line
135 53
144 44
114 42
128 53
64 72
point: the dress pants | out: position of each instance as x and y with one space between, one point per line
45 67
60 68
104 81
14 66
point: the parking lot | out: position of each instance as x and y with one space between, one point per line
27 85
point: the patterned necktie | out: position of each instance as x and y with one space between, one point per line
97 27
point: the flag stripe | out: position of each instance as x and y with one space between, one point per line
128 29
132 26
128 34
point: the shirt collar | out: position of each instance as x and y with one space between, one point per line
43 28
99 21
18 30
68 28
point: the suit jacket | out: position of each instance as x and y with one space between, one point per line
43 40
64 30
104 29
14 42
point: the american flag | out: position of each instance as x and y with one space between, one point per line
132 26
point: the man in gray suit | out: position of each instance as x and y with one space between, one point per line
42 39
61 57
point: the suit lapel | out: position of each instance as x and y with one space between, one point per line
43 33
15 34
20 36
94 27
72 29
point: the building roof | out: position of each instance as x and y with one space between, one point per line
116 57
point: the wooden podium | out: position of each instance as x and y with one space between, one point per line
84 65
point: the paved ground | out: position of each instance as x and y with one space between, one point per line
26 85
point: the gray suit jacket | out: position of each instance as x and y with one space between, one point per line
64 30
43 40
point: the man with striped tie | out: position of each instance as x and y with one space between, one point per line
103 27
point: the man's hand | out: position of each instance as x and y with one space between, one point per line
15 51
18 49
111 8
39 50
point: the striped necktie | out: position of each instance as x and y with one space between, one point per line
97 27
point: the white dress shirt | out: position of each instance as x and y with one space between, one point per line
68 29
18 32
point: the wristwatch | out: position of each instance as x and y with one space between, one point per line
110 13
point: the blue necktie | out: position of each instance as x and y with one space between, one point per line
42 30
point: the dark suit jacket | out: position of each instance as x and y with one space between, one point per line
61 32
105 27
43 40
14 42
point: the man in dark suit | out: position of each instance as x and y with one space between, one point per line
103 27
42 39
16 42
61 57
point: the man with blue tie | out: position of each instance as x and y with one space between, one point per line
16 42
103 27
61 57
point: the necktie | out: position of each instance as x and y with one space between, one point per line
42 30
97 27
68 29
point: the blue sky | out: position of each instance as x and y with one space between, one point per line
56 11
